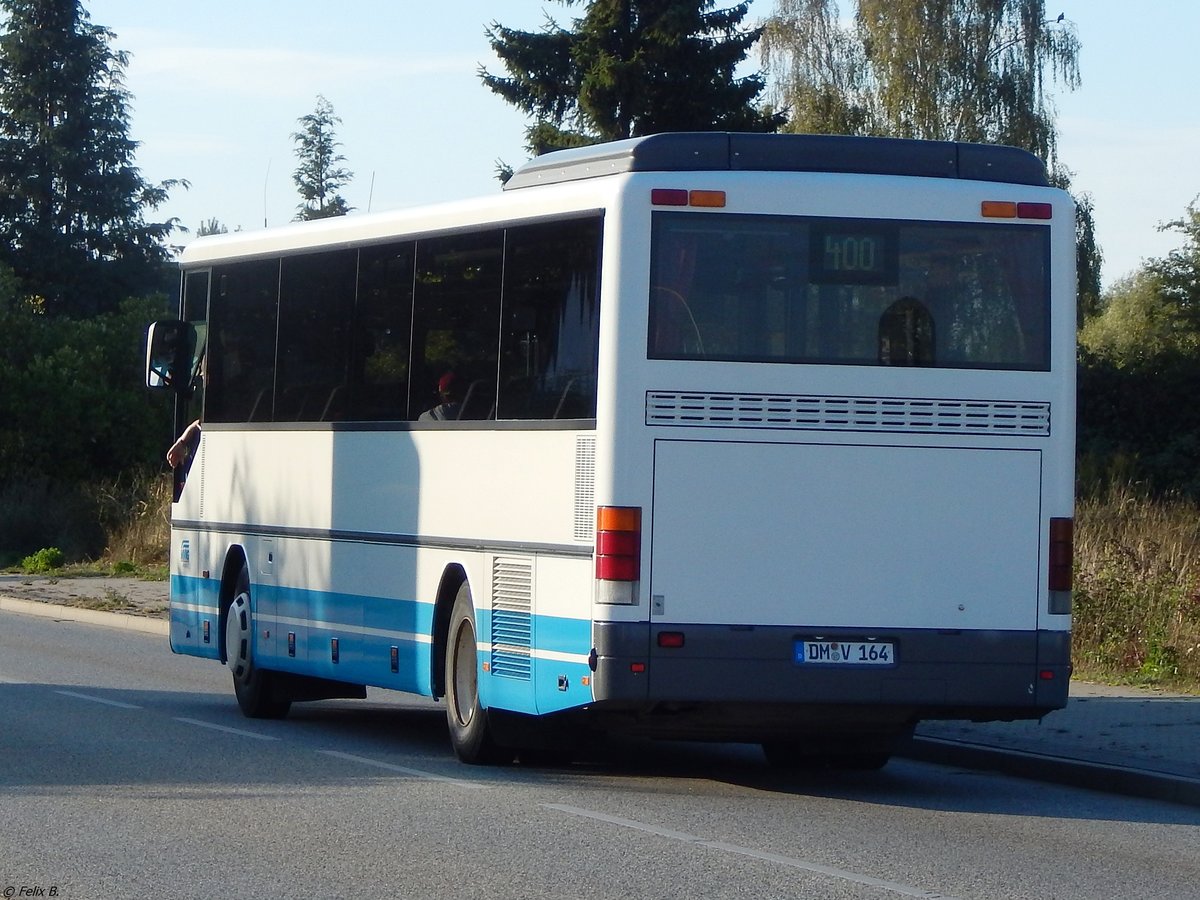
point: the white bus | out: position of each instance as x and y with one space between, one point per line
759 438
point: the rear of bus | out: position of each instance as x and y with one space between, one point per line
835 439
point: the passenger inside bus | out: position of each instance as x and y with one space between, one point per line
449 407
906 334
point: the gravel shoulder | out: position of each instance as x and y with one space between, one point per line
131 596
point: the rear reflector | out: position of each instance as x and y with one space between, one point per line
1062 553
670 639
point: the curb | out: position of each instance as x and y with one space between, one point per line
122 621
1094 776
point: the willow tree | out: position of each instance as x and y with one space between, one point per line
954 70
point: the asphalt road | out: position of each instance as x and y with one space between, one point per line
126 772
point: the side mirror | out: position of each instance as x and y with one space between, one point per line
170 354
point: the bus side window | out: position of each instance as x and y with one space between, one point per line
549 341
906 334
456 320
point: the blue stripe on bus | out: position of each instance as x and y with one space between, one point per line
367 628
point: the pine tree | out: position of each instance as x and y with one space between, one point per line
629 68
320 174
72 202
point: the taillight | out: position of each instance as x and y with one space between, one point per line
618 543
618 553
1062 553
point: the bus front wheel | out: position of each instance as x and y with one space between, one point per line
253 686
470 734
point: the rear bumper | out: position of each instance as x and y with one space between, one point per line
746 677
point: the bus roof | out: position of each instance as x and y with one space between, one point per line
726 151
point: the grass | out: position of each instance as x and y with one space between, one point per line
1137 590
127 522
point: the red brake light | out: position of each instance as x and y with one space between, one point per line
670 639
1062 553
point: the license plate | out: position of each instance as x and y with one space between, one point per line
845 653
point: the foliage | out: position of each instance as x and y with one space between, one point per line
211 226
1137 605
953 70
629 68
320 174
1139 324
1139 368
1179 272
72 202
45 560
1088 257
72 405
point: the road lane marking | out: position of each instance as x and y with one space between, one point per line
116 703
403 770
226 729
788 861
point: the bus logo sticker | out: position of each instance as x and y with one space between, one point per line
185 553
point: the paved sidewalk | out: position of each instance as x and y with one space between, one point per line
1117 739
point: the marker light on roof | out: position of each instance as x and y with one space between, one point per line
707 198
679 197
998 209
1006 209
668 197
1035 211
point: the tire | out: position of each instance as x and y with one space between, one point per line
470 733
254 687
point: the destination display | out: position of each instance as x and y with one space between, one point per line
852 253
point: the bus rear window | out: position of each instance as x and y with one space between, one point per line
849 291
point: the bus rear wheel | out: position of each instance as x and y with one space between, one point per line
470 733
254 687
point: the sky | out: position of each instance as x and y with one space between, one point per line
217 89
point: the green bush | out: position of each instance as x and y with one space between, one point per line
45 560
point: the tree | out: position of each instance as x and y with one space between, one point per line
211 226
72 202
1154 312
951 70
320 174
629 68
1179 271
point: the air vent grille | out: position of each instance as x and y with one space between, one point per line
825 413
512 620
585 488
